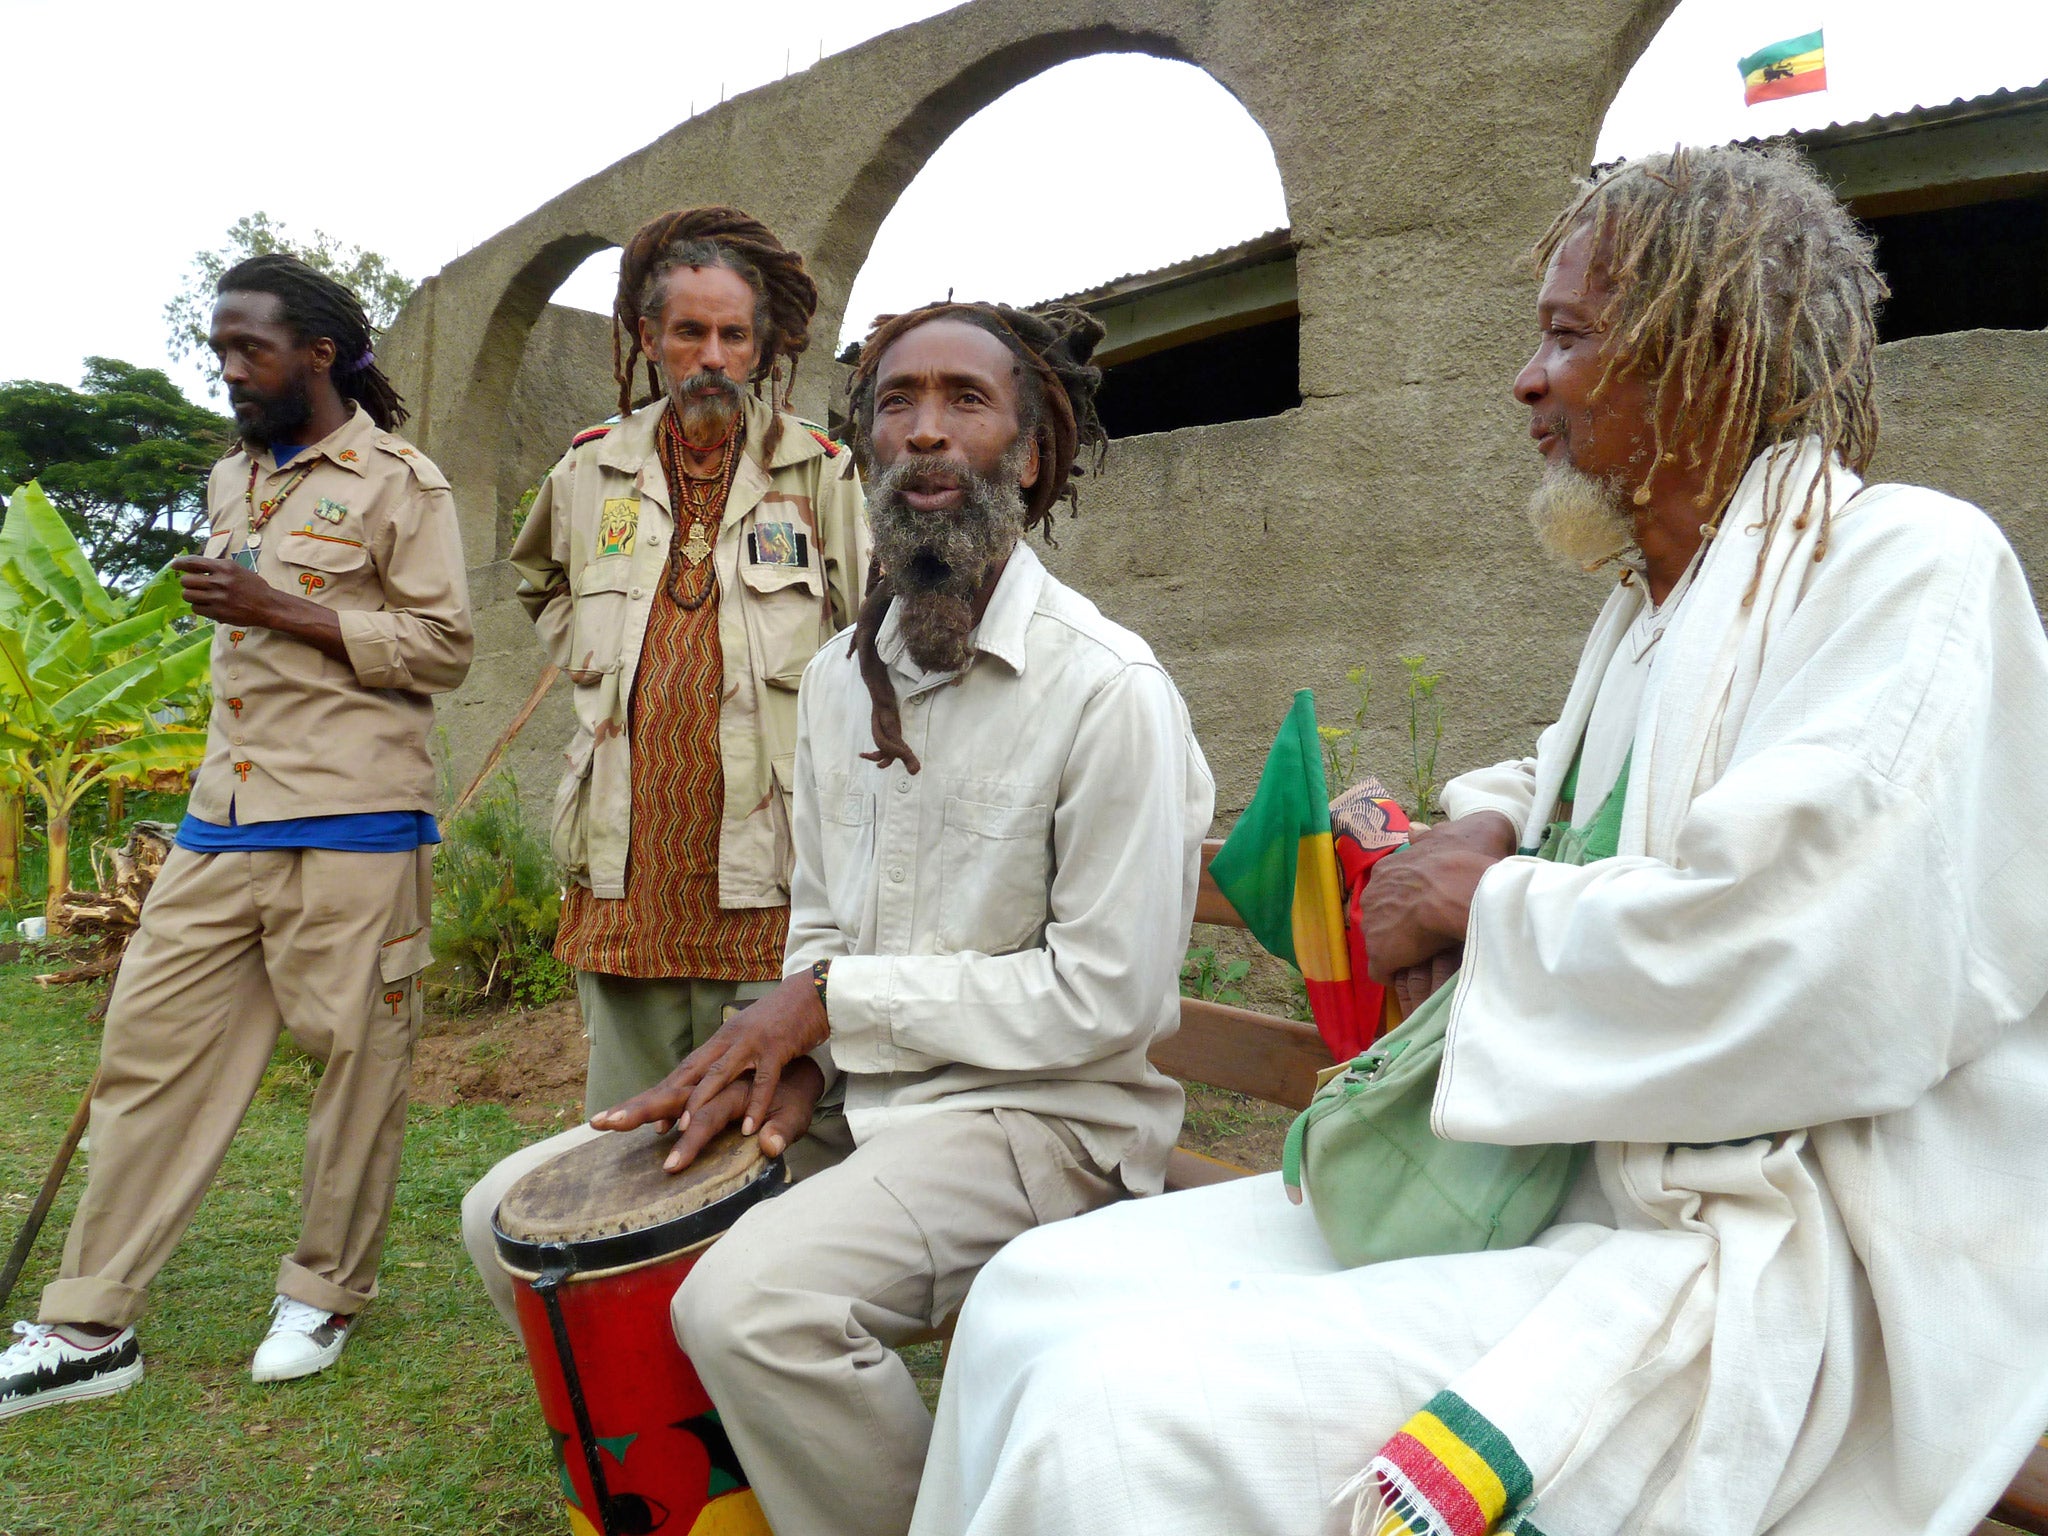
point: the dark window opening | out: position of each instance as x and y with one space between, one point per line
1983 266
1240 374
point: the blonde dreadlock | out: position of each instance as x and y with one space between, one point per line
1742 291
785 297
1055 407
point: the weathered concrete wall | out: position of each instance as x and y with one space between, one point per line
1381 518
1966 414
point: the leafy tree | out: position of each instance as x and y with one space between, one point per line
382 287
92 680
124 458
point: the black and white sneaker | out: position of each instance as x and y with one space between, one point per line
45 1368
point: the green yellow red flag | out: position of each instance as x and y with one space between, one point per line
1791 68
1278 868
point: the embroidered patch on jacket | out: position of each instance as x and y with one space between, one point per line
348 455
330 510
617 525
782 544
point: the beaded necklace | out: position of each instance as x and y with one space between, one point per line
260 511
691 581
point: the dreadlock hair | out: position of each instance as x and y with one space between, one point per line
1055 408
785 298
1746 295
315 305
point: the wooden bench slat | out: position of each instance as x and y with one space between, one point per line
1211 905
1192 1170
2025 1504
1272 1059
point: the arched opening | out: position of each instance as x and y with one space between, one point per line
563 382
1939 144
1136 187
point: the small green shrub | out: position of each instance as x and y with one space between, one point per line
1202 977
497 901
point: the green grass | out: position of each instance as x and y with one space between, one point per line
427 1424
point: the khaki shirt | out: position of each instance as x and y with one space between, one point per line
371 533
791 557
1006 926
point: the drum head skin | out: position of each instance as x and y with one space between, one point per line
596 1194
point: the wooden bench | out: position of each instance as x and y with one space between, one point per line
1277 1060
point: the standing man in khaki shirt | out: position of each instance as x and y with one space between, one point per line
999 813
683 566
298 892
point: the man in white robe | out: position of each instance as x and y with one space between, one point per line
1802 1284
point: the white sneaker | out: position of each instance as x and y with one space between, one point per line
302 1339
45 1368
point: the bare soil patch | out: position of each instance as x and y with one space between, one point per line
529 1060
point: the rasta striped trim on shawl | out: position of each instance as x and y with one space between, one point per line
1448 1472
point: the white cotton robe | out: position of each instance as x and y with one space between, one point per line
1820 959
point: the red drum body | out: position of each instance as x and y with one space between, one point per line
637 1443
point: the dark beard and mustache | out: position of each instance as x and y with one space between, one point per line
936 561
706 406
275 418
1580 520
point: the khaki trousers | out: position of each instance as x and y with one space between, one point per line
639 1030
791 1317
231 946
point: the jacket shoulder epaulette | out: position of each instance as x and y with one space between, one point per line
591 434
832 449
424 469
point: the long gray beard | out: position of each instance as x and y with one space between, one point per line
937 561
1581 521
706 405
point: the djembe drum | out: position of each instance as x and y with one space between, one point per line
598 1239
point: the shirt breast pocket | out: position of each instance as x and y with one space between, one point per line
995 867
318 561
786 613
846 828
597 618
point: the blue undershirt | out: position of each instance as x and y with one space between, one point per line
358 832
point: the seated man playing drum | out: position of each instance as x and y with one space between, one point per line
999 805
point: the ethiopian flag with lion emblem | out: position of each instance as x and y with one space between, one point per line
1791 68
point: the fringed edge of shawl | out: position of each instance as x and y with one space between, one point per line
1449 1471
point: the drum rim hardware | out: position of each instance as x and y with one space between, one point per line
622 1250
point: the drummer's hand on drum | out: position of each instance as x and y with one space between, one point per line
737 1071
788 1115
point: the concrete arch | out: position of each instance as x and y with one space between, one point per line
1420 147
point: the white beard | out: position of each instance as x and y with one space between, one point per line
1581 521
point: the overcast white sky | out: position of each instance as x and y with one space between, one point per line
137 132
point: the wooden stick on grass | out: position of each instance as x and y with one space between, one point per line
47 1197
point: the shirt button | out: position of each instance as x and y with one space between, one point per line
236 740
903 786
896 874
633 593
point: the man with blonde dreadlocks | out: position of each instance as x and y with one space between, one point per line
1764 924
999 813
683 566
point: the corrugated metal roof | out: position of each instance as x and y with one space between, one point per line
1962 109
1270 246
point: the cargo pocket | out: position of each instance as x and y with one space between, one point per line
597 618
569 826
400 964
786 619
995 864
